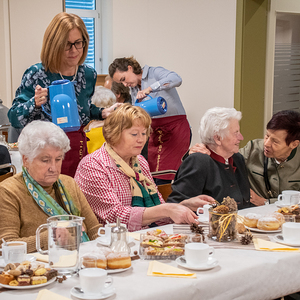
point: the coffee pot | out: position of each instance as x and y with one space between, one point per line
154 106
119 238
64 237
64 111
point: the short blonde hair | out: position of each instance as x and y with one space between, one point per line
56 38
123 118
103 97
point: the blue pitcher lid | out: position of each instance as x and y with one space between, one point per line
61 81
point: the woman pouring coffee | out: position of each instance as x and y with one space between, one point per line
64 49
29 198
171 130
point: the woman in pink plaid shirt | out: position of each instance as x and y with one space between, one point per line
117 182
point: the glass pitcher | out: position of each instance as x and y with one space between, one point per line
119 238
64 237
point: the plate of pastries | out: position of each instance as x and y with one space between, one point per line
26 275
293 210
270 223
156 244
112 262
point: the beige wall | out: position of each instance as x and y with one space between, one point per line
22 27
195 38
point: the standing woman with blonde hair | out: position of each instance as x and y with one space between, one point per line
64 50
170 138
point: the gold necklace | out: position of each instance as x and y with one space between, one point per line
74 77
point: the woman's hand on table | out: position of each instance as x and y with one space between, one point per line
198 201
255 199
199 148
181 214
40 96
144 93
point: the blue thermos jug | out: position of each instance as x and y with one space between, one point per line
64 111
154 106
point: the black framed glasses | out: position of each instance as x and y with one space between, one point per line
78 45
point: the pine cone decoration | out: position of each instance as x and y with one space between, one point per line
246 239
197 228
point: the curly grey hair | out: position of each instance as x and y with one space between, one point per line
215 122
39 134
103 97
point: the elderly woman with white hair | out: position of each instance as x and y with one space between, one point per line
40 191
221 174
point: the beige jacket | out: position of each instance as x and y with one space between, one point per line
20 216
284 176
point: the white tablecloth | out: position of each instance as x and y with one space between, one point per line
241 274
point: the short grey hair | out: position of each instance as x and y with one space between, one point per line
39 134
215 122
103 97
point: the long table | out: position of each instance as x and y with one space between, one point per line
241 274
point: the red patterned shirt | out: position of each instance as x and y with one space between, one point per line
107 189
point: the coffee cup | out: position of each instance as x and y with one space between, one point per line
107 231
14 252
94 281
198 253
291 232
289 197
204 216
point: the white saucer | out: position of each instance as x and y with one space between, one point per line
280 205
210 264
281 241
29 257
202 219
109 292
105 242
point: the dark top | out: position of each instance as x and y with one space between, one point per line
201 174
4 159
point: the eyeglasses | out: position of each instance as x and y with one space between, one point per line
77 45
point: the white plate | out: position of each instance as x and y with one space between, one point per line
113 271
27 287
211 263
108 293
262 231
281 241
105 242
30 258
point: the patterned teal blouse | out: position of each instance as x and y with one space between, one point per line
23 109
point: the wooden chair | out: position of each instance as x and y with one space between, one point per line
164 189
9 174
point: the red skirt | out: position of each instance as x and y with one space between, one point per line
78 144
168 143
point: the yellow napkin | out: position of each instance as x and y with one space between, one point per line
159 269
135 235
40 257
48 295
270 246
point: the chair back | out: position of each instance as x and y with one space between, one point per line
9 174
164 189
